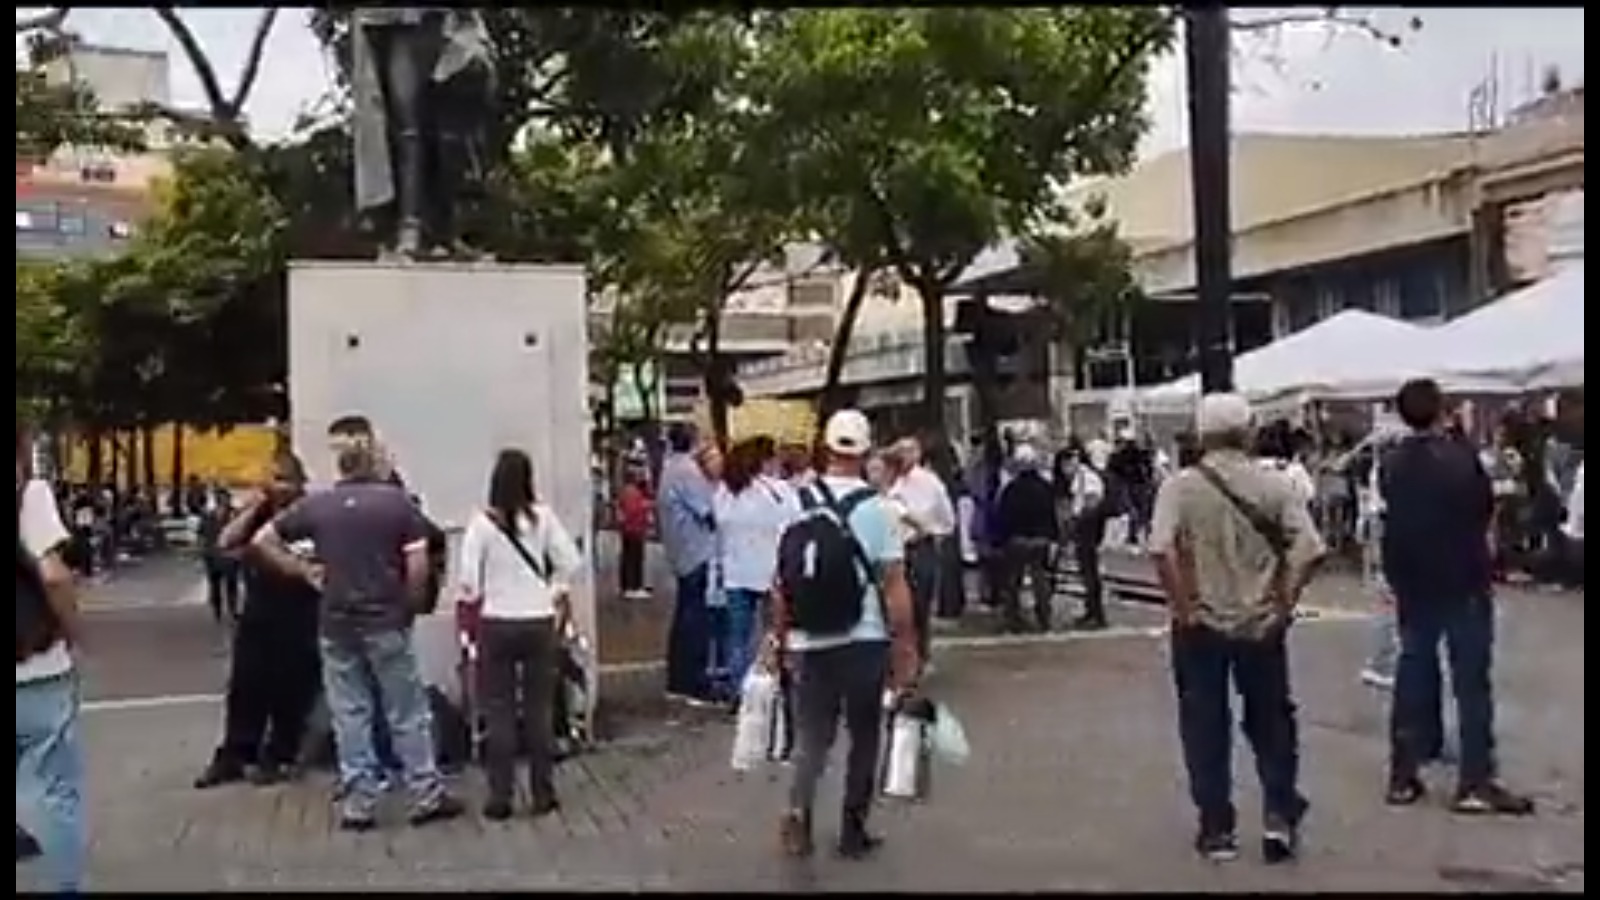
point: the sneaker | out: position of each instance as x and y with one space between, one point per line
218 772
1405 790
544 807
856 842
1089 623
268 774
794 835
1217 846
441 810
1491 799
1373 678
497 810
1280 843
357 822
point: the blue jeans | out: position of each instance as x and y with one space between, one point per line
741 633
50 776
1204 662
350 666
689 638
1385 644
1466 628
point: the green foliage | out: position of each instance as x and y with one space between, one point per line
918 137
1085 275
51 116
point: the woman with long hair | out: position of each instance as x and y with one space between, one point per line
516 570
751 510
274 671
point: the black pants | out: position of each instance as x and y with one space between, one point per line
631 565
516 691
1466 629
1087 535
952 582
1204 662
848 680
1028 558
924 569
222 588
689 637
273 681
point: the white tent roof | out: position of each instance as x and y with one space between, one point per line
1533 337
1331 352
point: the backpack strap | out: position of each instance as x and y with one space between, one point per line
842 509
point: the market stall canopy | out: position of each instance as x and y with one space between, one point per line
1533 337
1334 351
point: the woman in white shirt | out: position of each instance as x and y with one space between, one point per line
751 511
517 564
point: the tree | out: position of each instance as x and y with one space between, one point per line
54 115
922 136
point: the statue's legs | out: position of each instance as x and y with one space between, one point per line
408 60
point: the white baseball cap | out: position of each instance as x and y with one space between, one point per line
1025 456
1222 413
848 433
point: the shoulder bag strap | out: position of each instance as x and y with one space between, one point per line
540 571
1264 525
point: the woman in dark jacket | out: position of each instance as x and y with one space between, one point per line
274 673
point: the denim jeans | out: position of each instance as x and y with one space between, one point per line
50 777
1204 662
689 637
741 633
1466 628
388 658
1385 644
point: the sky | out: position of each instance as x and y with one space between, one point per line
1301 78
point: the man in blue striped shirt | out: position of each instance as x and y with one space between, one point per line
688 537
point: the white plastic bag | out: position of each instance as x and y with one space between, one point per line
759 719
949 739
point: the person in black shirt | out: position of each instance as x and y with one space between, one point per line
274 673
1027 533
1438 512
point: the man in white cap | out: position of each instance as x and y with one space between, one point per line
1234 548
844 613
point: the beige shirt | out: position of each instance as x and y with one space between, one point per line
1234 568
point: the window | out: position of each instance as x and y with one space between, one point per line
24 220
71 223
101 173
120 230
1421 296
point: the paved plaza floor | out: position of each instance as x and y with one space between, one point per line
1075 783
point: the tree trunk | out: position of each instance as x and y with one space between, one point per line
714 378
95 466
147 457
934 374
832 398
176 495
114 471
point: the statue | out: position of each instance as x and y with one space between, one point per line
422 80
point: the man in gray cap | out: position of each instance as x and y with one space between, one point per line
1234 547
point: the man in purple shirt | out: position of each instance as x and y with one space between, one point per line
372 567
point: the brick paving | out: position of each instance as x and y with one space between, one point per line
1074 784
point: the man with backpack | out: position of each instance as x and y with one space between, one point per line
844 613
49 743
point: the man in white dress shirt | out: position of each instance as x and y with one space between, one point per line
930 518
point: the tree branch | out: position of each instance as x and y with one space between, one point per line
198 60
1330 16
50 20
252 63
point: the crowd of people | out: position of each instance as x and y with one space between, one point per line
832 569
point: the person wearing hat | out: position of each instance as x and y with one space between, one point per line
1234 547
844 668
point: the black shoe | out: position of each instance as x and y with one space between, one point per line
544 807
1280 843
1491 799
497 810
220 771
268 774
1088 622
1217 846
357 824
794 835
442 810
858 843
1405 790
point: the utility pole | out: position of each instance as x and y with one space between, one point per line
1207 53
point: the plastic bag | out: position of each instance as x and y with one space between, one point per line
948 738
759 720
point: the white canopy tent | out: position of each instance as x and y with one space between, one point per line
1533 337
1332 352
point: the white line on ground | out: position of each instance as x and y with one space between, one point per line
1149 632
